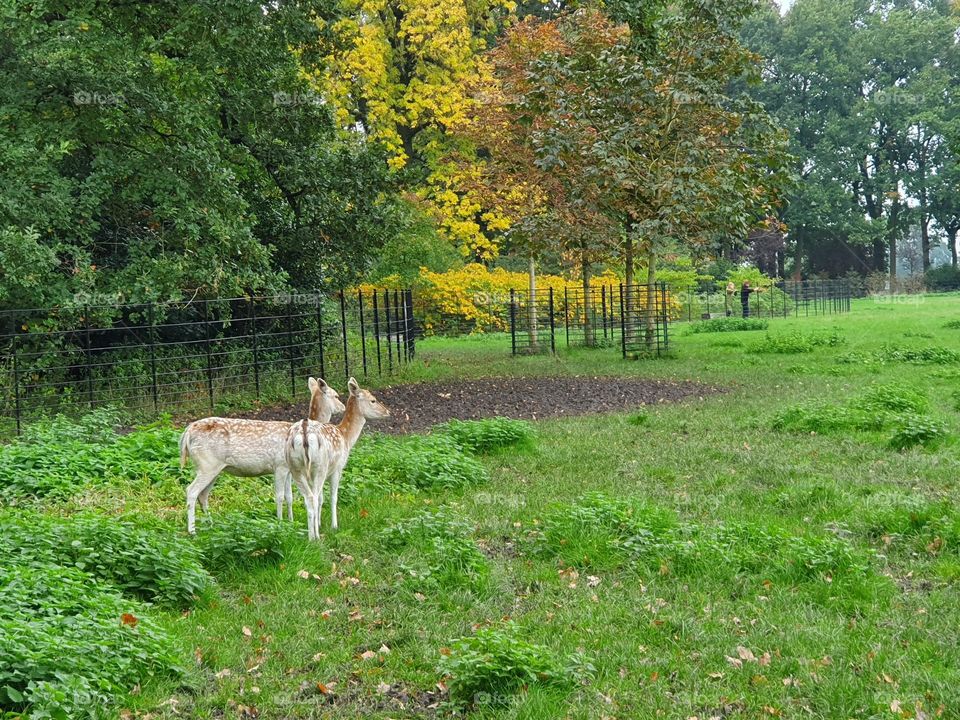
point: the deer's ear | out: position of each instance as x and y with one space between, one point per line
313 384
354 388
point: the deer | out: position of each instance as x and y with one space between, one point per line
247 448
317 451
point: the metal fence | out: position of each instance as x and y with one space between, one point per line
633 319
785 298
197 353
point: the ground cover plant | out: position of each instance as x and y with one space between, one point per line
728 324
766 551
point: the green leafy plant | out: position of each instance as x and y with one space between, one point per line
483 436
727 324
437 550
912 430
933 355
895 397
239 541
496 662
152 564
69 645
422 462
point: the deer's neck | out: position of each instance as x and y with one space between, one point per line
314 413
352 423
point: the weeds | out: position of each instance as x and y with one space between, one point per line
495 663
484 436
796 342
730 324
237 541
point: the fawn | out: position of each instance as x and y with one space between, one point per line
316 451
246 448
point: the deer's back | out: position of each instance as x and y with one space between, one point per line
246 447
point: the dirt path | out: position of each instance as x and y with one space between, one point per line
419 406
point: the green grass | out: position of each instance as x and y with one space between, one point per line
700 559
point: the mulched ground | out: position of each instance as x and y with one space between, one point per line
419 406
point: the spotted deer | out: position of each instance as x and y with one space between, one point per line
317 451
246 448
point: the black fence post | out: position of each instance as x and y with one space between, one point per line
363 334
290 355
623 326
665 316
513 323
566 314
153 356
397 320
412 342
376 330
319 301
386 311
256 345
343 326
553 344
603 308
16 379
88 353
206 332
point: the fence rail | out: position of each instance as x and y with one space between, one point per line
785 298
198 353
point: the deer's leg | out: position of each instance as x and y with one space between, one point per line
279 488
334 489
205 498
200 486
288 494
304 487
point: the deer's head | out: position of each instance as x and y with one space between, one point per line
324 400
368 405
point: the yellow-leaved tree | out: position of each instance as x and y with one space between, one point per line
398 70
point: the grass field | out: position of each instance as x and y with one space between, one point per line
787 548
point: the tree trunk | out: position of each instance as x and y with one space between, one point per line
532 305
651 309
797 259
589 338
925 240
952 244
892 232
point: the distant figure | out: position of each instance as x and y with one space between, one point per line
731 289
745 291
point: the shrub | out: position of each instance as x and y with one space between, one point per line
912 430
69 645
594 531
727 324
942 278
797 342
482 436
137 560
437 550
895 397
952 325
827 418
241 541
495 663
56 458
422 462
933 355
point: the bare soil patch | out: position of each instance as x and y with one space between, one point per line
419 406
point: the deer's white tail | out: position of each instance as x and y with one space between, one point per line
184 447
300 446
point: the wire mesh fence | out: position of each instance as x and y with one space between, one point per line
785 298
631 318
197 354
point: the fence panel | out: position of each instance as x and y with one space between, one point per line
197 355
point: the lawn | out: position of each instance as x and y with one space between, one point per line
789 548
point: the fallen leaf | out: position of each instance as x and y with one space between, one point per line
128 619
764 659
383 688
222 674
895 706
384 649
715 676
736 662
304 574
368 655
745 654
593 580
247 631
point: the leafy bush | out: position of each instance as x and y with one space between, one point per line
928 524
727 324
933 355
593 532
495 663
69 645
55 458
895 397
96 426
237 541
437 550
912 430
826 418
797 342
150 564
952 325
942 278
422 462
482 436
